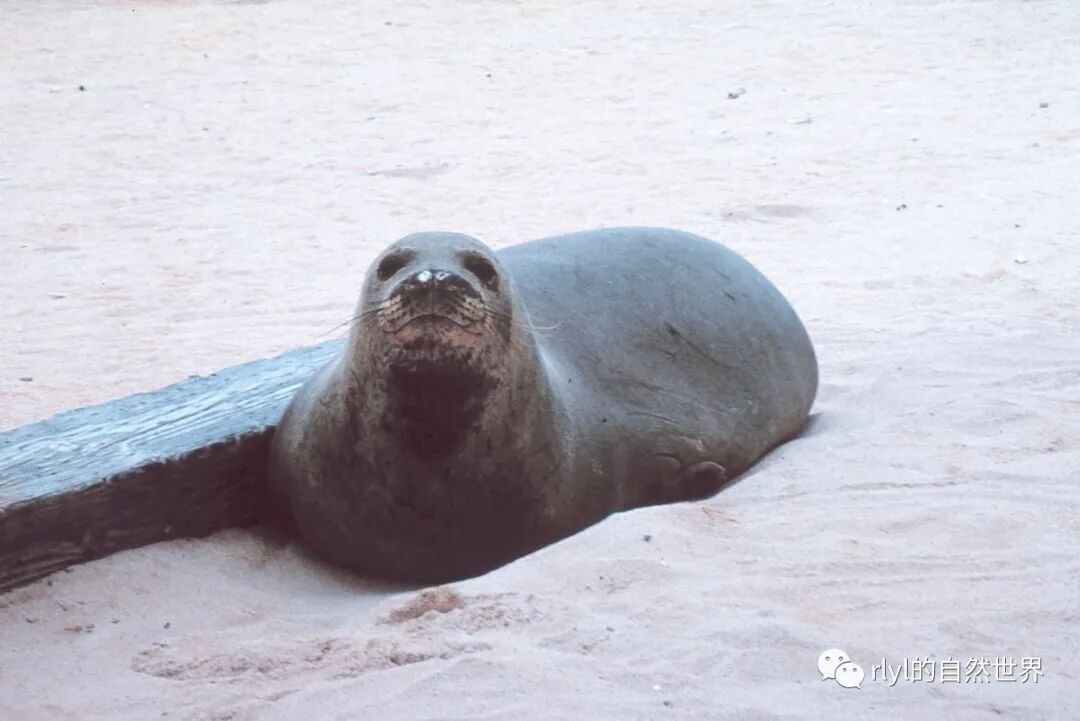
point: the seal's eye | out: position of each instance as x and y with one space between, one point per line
391 264
482 268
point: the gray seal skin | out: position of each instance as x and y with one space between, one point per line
488 403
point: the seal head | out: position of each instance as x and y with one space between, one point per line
433 332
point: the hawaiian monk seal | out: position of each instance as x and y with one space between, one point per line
488 403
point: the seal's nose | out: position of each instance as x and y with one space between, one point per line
435 283
432 278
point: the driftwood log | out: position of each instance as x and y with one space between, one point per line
183 461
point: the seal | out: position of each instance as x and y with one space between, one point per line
487 403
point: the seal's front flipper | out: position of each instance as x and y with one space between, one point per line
668 478
703 479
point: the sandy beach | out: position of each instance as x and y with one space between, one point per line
185 186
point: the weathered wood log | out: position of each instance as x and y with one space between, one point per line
183 461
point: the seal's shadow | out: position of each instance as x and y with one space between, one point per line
819 423
282 538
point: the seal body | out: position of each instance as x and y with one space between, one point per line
488 403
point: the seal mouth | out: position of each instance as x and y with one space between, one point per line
435 340
435 322
433 302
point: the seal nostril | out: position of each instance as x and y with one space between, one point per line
423 277
442 275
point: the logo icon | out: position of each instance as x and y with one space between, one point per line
850 675
836 664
